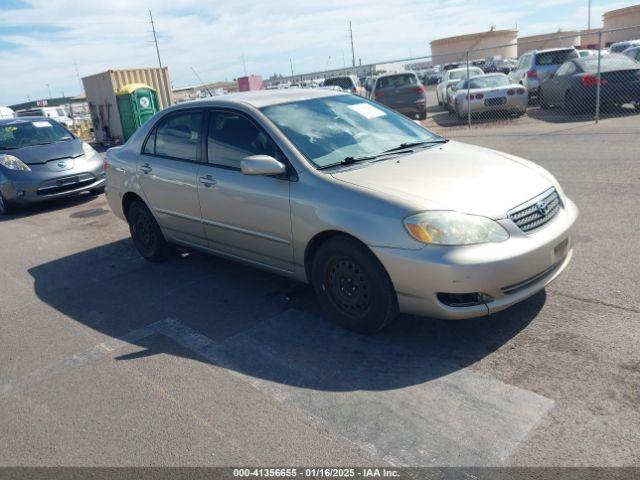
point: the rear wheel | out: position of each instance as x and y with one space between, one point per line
146 234
352 286
422 116
4 206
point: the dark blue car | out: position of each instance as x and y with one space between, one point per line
40 160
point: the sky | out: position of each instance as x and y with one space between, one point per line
46 44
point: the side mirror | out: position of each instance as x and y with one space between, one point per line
262 165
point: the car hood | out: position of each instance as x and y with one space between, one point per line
46 153
454 176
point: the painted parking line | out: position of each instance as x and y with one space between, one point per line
404 407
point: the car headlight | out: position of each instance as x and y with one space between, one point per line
453 228
13 163
88 150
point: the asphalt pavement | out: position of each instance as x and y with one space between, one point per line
106 359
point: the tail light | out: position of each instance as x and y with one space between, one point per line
592 81
354 90
532 74
479 96
379 95
520 91
511 92
105 164
419 89
469 97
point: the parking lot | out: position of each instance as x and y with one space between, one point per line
106 359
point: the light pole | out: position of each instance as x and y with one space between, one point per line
589 17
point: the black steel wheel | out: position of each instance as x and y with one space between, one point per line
352 286
146 234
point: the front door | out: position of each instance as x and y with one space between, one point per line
168 173
245 216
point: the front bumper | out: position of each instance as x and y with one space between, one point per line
509 272
41 183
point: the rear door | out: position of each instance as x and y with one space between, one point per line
245 216
554 88
167 172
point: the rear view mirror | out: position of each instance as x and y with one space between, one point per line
262 165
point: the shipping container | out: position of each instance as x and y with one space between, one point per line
101 89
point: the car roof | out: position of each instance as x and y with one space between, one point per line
8 121
264 98
393 74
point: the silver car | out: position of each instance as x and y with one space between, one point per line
41 160
451 78
535 66
379 214
488 93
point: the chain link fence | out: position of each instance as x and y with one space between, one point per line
550 79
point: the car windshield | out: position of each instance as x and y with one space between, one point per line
330 129
396 81
609 63
21 133
490 81
460 74
555 57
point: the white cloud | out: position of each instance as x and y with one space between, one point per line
212 36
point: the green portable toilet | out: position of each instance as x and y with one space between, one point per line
137 103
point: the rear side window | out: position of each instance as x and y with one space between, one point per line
232 137
177 136
397 81
342 82
556 57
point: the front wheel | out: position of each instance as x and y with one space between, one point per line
4 206
352 286
146 233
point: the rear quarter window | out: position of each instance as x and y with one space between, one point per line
557 57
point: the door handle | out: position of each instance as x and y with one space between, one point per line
145 168
207 180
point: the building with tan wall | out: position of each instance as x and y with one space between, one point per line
558 39
621 18
589 38
501 43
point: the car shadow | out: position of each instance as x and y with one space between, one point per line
24 211
559 115
261 325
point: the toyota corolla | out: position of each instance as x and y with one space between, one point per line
379 214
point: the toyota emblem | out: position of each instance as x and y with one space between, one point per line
543 207
62 164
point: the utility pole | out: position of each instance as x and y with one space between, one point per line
244 65
589 17
155 39
75 65
291 64
353 54
201 82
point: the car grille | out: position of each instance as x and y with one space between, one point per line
65 184
537 211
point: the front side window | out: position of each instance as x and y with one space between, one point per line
233 136
177 136
327 130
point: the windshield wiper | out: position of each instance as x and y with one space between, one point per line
350 161
402 146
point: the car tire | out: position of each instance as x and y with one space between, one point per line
543 104
422 116
5 208
97 191
570 104
146 234
352 286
